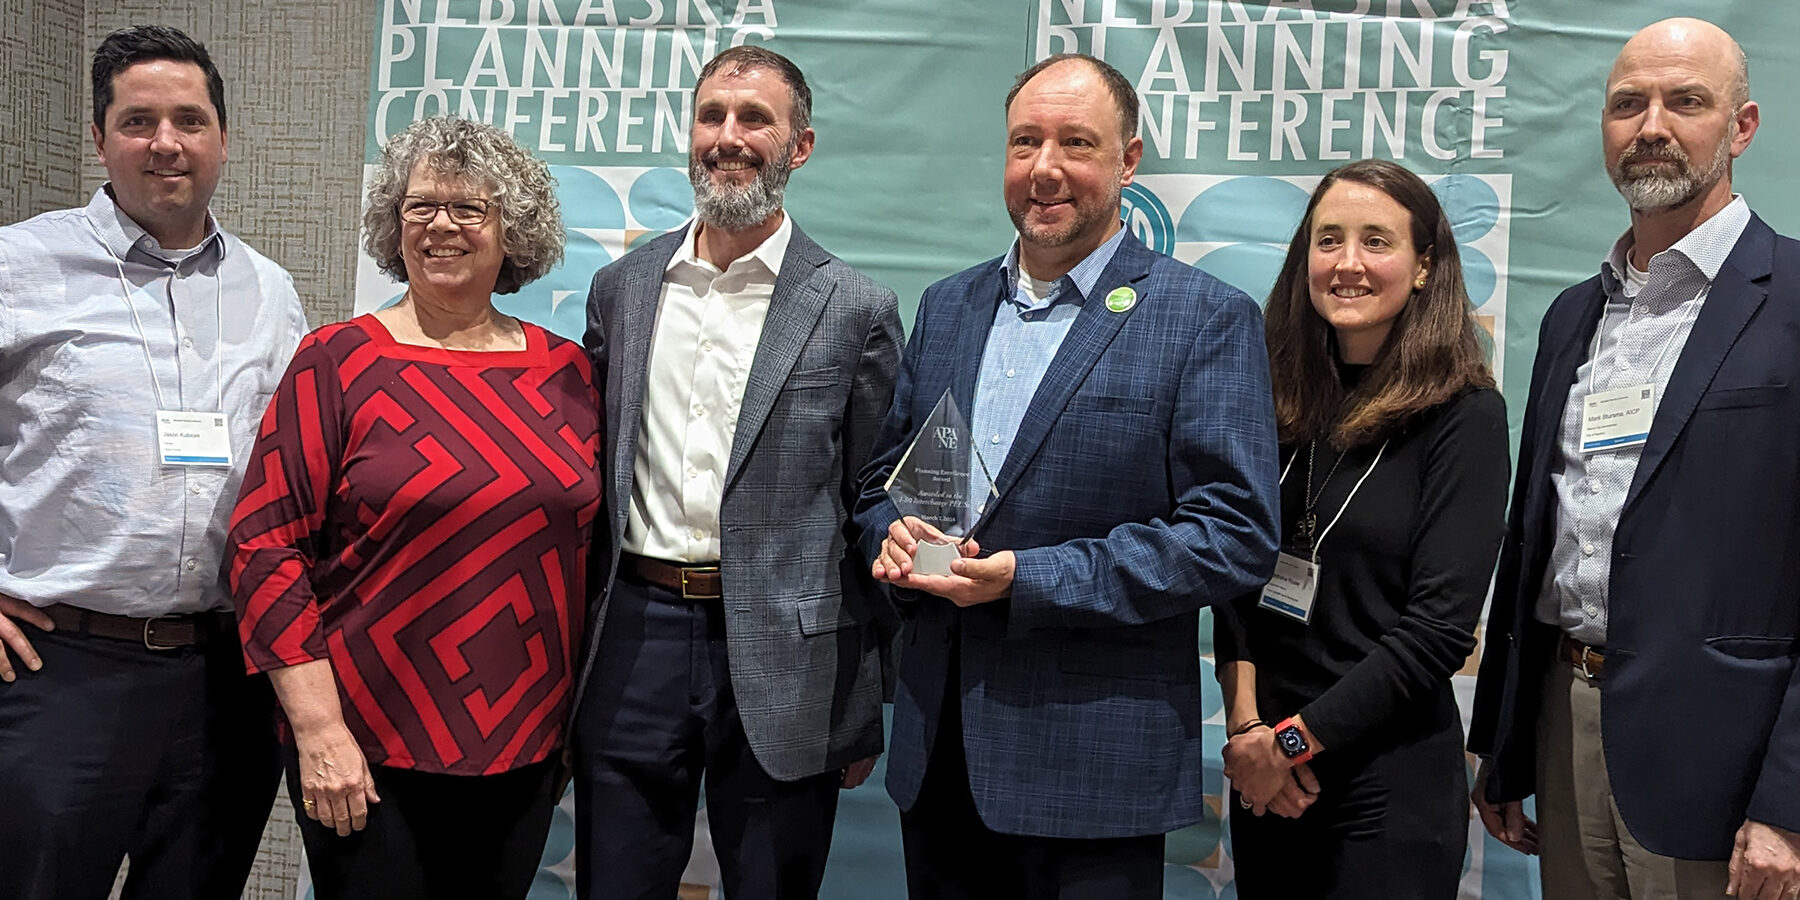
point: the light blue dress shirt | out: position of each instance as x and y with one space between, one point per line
89 514
1025 336
1638 341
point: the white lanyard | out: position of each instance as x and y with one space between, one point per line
1352 495
1600 329
144 339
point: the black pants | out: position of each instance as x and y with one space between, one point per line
659 711
432 836
951 854
113 749
1391 827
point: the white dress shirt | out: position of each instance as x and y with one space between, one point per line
708 325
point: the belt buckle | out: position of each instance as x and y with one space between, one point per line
696 570
1587 653
150 643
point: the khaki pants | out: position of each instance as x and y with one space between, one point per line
1586 851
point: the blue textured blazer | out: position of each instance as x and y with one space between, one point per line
1700 695
1141 487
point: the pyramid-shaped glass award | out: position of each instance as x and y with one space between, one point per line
936 481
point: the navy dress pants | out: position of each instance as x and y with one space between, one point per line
114 749
658 714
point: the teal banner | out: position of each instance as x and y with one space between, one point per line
1245 105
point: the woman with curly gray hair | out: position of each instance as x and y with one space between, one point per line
408 557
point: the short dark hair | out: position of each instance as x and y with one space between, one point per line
143 43
745 57
1124 94
1433 350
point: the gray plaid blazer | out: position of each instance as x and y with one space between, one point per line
807 628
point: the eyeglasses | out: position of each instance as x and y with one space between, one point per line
463 210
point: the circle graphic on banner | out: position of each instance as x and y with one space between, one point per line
1148 218
1478 275
1471 205
1254 208
1251 268
587 200
661 199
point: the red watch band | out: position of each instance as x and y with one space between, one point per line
1304 755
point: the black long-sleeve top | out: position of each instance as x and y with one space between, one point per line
1402 577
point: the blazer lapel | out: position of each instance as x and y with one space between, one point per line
801 292
1736 294
628 370
1089 335
975 323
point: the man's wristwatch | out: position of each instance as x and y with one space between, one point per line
1292 743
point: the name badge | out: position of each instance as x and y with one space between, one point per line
1618 418
1291 591
192 438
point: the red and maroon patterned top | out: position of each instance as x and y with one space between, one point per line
420 518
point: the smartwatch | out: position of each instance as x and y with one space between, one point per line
1292 743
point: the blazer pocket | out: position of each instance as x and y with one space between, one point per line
811 378
1739 646
823 615
1114 403
1742 397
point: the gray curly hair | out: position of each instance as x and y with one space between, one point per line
531 224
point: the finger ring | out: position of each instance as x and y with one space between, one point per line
1244 801
307 804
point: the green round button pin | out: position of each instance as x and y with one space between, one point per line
1121 299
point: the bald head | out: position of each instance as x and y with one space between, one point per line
1693 42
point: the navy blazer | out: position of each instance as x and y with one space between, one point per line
1700 709
1141 487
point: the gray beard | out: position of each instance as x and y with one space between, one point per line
1649 193
734 208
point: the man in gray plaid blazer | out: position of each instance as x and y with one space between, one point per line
736 630
1047 720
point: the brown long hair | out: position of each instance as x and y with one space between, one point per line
1432 353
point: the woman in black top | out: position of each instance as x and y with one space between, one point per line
1345 754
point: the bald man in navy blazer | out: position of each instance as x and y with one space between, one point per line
1640 673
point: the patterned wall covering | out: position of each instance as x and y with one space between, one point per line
42 69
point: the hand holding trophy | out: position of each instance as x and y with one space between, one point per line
934 482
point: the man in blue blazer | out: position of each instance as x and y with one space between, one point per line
1047 720
1640 674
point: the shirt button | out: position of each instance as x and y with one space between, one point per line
706 347
693 472
192 564
1624 363
195 487
187 343
1587 549
1011 372
699 535
1593 487
699 410
994 440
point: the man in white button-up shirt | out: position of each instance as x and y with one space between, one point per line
139 345
1640 676
736 632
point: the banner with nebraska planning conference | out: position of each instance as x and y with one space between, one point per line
1245 105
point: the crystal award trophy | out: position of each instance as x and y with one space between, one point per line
933 483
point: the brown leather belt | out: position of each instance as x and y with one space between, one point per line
692 582
1586 658
160 633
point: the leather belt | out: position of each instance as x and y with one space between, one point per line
692 582
1586 658
158 633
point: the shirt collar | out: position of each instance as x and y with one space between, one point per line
1706 247
1083 276
121 234
769 253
